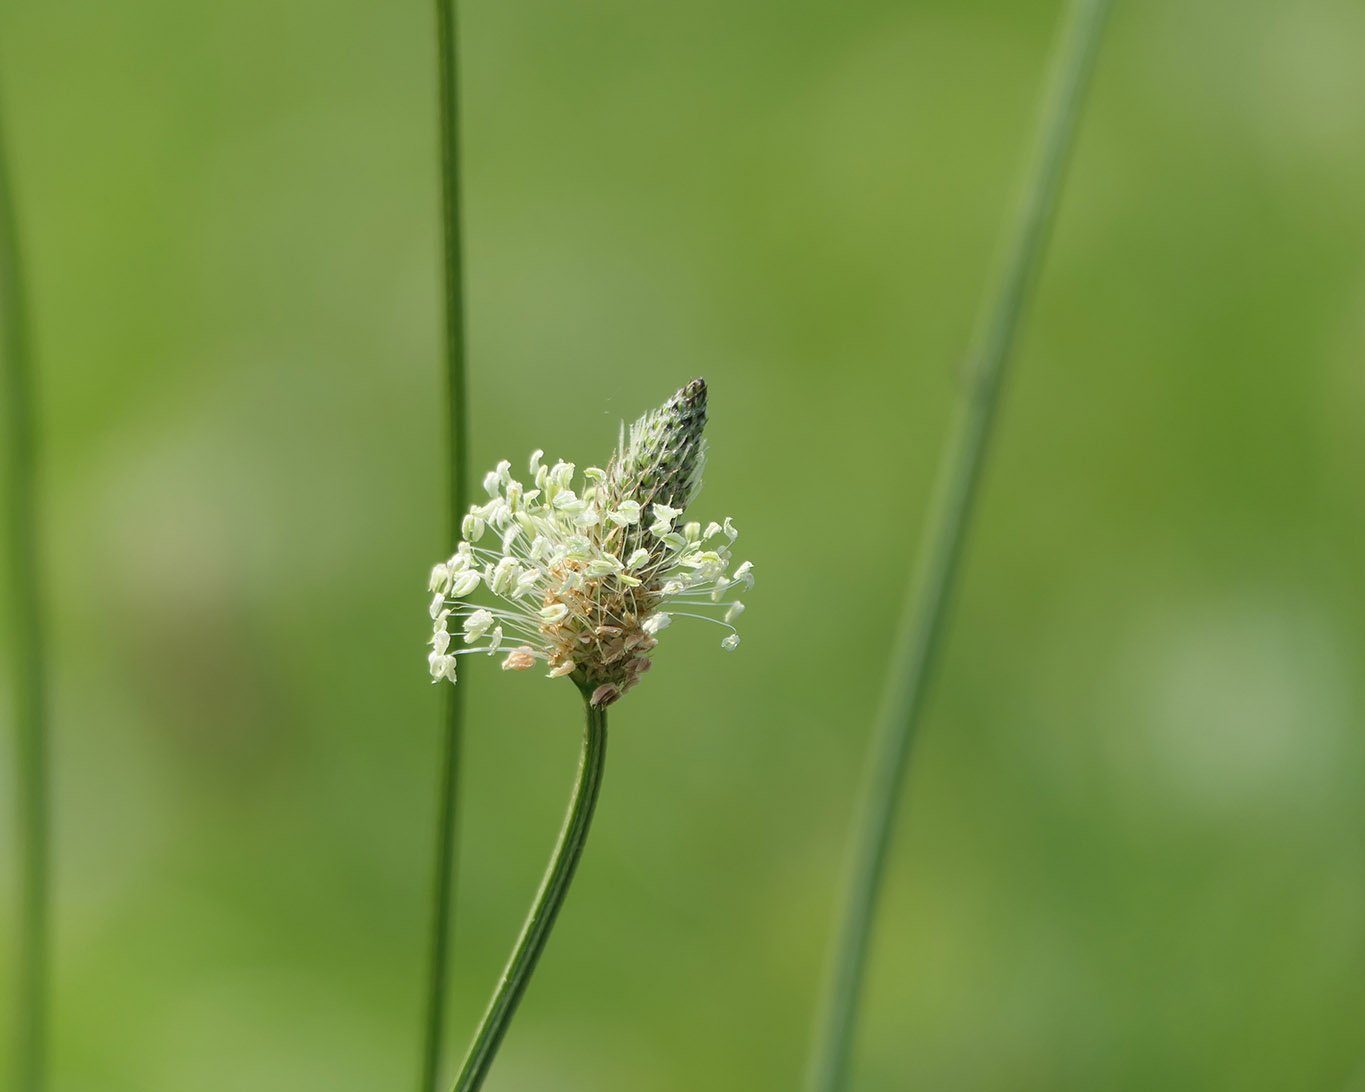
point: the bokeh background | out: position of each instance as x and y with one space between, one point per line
1133 855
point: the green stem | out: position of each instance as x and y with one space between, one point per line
921 628
553 887
457 441
27 644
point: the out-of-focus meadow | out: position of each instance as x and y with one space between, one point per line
1134 851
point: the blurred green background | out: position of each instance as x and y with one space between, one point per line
1134 851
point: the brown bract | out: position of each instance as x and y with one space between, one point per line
600 641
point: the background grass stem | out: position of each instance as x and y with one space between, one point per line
26 639
457 450
545 909
921 631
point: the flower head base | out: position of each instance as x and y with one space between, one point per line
585 567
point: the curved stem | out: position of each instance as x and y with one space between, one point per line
456 435
921 626
26 644
555 885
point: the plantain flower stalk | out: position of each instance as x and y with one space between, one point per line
586 572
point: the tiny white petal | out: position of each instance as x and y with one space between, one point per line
736 609
730 643
604 566
441 667
504 577
656 622
476 625
555 612
562 474
437 602
707 560
465 583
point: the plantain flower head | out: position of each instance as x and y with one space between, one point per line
586 570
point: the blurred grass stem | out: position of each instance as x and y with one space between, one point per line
457 450
920 635
553 888
26 641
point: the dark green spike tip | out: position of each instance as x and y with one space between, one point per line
660 461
